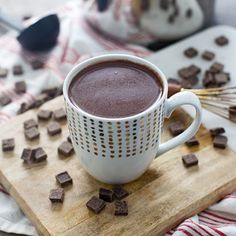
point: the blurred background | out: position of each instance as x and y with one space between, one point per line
224 11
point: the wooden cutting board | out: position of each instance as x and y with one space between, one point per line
164 196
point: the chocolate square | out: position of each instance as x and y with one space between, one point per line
8 144
57 195
59 114
32 133
190 52
209 79
217 131
121 208
220 141
209 56
64 179
221 41
5 100
38 154
106 195
54 128
44 115
20 87
192 142
96 204
176 128
30 123
26 155
189 72
189 160
17 70
221 78
119 192
3 72
216 67
66 149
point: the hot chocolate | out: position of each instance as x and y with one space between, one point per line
115 89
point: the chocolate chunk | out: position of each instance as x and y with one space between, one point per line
121 208
164 5
191 52
69 139
59 114
221 41
216 67
57 195
192 142
189 13
44 115
207 55
20 87
64 179
17 70
173 81
4 100
189 72
209 80
40 99
217 131
65 149
176 128
32 133
36 64
232 113
3 72
8 144
221 79
96 204
119 192
38 154
171 19
26 155
220 141
53 128
189 160
30 123
106 195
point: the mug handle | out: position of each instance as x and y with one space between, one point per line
182 98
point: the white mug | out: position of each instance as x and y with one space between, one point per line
119 150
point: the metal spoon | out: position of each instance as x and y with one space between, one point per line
40 36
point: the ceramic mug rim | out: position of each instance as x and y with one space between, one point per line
114 57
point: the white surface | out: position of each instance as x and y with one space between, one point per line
171 59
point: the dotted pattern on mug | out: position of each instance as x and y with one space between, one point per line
122 139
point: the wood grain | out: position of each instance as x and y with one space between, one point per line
164 196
